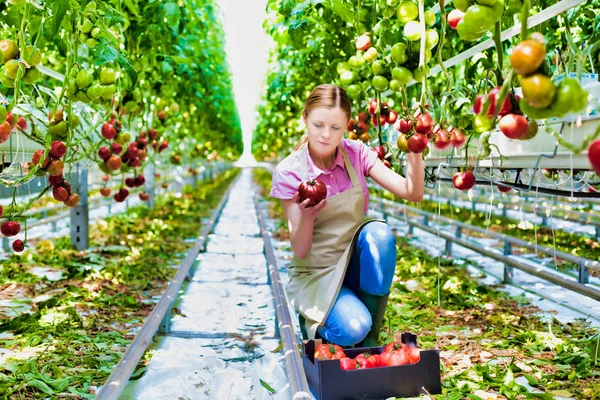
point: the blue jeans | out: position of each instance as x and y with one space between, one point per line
371 269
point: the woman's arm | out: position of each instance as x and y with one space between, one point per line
410 188
300 223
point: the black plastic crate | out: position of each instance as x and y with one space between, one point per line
328 381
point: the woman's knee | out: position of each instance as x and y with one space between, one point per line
351 330
380 234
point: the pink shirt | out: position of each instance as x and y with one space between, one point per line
286 176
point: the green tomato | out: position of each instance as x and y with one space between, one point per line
429 18
107 76
380 83
31 76
58 131
356 62
86 26
466 33
341 67
2 113
11 67
412 30
488 3
347 78
108 91
371 55
462 5
95 32
482 124
431 39
123 137
535 113
498 9
94 91
33 57
418 73
568 97
353 90
407 11
379 67
84 78
398 53
74 121
402 75
91 43
82 96
395 85
479 18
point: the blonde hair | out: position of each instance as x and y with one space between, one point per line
325 95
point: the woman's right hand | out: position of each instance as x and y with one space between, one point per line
310 212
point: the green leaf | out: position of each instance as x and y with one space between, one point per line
41 386
104 53
132 6
173 15
286 7
266 386
131 72
532 380
59 10
339 8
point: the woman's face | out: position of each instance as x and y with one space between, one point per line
325 129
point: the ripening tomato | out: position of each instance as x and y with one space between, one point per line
527 57
538 90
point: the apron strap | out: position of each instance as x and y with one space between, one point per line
350 168
347 163
304 162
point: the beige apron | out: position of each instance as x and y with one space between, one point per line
315 281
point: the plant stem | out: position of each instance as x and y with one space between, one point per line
524 18
499 51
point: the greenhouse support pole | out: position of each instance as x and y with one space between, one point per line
80 213
149 184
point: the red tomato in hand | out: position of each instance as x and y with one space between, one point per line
330 352
314 190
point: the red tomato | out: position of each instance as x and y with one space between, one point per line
347 363
313 190
366 360
417 143
394 346
330 352
463 180
414 354
397 358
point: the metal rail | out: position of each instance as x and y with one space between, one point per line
513 262
119 378
584 264
293 359
586 218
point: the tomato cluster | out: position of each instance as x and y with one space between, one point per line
543 98
478 19
415 132
383 67
12 228
13 61
59 123
393 354
11 123
82 86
